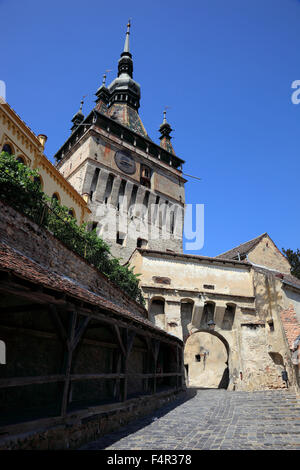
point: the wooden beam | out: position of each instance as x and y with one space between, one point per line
117 333
21 381
80 331
22 308
129 336
58 323
78 377
68 363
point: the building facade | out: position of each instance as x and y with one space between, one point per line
239 319
134 187
16 138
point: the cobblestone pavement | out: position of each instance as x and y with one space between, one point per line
214 419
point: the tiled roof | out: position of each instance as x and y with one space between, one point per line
25 268
169 254
242 249
127 116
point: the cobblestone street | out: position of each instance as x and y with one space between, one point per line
214 419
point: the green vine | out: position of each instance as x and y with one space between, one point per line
20 187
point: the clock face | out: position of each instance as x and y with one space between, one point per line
125 162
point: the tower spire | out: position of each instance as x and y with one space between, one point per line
125 65
165 138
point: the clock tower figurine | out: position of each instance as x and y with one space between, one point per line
133 186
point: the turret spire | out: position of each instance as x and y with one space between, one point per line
125 65
165 138
78 117
102 95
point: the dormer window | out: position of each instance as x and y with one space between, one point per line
145 176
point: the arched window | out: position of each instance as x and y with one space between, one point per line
94 182
228 318
121 194
141 243
72 213
2 352
55 197
186 312
133 198
7 148
38 180
109 185
145 204
208 314
21 160
145 176
157 312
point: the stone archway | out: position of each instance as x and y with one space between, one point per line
206 355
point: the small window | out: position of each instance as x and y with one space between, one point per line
38 180
72 213
208 286
145 176
21 160
197 357
55 197
141 243
120 238
7 148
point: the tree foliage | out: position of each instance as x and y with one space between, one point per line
294 260
20 187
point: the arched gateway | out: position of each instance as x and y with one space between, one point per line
206 357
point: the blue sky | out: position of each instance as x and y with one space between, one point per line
224 68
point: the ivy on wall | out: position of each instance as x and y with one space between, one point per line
20 187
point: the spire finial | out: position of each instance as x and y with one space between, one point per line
165 115
165 119
82 102
104 79
126 45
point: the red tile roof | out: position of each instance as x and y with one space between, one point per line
23 267
242 249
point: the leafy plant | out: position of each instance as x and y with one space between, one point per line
20 187
294 260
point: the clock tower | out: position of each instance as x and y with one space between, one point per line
133 186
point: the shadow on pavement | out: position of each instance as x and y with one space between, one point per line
139 423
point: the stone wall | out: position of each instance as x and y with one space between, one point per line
133 220
86 426
266 253
40 245
258 350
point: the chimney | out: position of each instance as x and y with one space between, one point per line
43 139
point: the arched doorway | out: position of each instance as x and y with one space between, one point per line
206 360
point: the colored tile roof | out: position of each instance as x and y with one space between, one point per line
127 116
